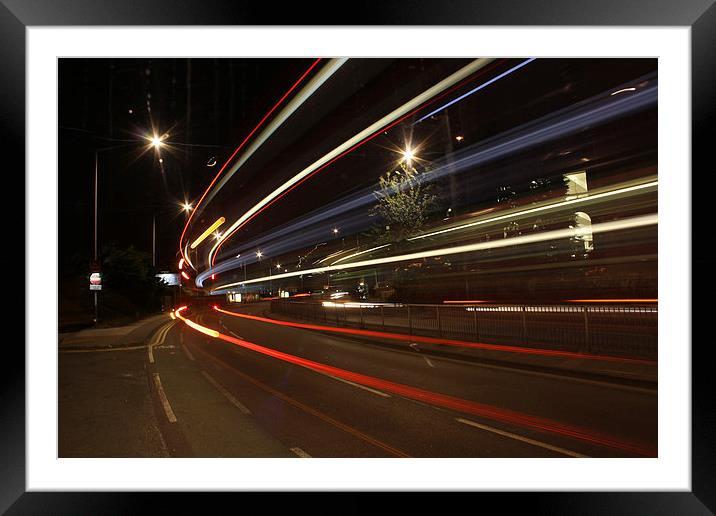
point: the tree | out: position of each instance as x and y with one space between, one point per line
128 274
404 201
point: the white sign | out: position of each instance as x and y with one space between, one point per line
169 279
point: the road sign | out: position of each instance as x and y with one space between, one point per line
95 281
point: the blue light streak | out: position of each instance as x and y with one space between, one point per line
477 89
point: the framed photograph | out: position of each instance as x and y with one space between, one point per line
428 249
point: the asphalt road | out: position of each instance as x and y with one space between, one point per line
325 416
212 398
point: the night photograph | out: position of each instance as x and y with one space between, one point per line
357 257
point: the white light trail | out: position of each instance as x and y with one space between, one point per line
561 204
359 253
309 89
387 119
603 227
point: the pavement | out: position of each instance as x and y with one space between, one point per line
117 404
641 373
133 335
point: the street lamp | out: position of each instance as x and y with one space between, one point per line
156 143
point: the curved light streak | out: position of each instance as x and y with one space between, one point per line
365 133
309 89
536 132
359 253
475 408
475 90
196 209
581 200
434 340
633 222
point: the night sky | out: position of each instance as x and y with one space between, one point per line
205 105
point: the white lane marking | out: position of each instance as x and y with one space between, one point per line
298 451
237 336
428 361
163 397
379 393
188 353
521 438
226 393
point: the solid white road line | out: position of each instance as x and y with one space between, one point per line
163 397
226 393
298 451
527 440
379 393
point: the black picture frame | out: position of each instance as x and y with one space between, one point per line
699 15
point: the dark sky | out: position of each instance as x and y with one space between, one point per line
206 106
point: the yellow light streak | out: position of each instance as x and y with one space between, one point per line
208 232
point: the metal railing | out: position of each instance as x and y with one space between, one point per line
629 331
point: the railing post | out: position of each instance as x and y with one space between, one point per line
586 329
524 324
477 330
336 307
382 315
440 326
360 308
410 322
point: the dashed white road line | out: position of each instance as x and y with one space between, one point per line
298 451
163 398
188 353
226 393
428 361
237 336
379 393
527 440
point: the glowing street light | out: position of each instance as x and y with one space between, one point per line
278 265
156 142
186 207
408 155
335 231
259 254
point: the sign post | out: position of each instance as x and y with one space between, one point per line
95 285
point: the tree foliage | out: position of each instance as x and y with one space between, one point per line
404 201
129 273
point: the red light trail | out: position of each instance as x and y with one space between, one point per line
348 151
434 340
444 400
293 87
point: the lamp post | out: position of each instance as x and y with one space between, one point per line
156 142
